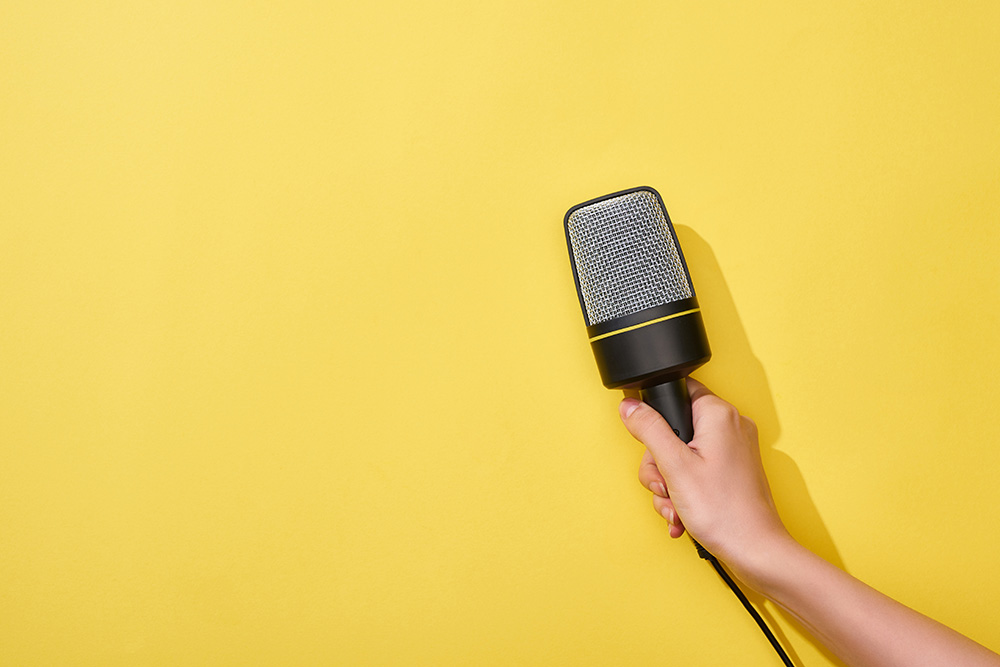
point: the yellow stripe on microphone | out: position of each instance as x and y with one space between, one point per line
644 324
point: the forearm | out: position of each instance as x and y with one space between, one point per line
857 623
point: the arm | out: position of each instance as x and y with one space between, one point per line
715 488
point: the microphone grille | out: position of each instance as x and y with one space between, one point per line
625 255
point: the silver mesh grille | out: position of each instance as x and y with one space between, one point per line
626 259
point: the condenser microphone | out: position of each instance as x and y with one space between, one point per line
642 315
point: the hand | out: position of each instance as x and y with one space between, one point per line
715 486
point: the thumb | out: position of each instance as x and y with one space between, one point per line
648 427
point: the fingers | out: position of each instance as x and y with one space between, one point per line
663 450
697 390
708 410
665 507
650 477
705 405
648 427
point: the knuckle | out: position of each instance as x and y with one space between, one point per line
722 409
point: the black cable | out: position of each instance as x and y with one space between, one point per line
703 552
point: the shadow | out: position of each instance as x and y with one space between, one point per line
737 375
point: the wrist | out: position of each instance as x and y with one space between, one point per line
762 563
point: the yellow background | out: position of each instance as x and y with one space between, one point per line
292 369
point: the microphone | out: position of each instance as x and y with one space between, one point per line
639 305
642 315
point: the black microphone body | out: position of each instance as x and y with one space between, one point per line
644 320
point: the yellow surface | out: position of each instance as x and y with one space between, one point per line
292 370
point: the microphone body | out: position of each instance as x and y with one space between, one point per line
643 318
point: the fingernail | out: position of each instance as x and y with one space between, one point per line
668 514
627 407
659 489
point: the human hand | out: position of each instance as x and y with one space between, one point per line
716 489
714 486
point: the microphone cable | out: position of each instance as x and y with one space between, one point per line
714 562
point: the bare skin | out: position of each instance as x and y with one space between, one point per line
715 489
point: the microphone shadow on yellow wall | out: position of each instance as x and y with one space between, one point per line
737 375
